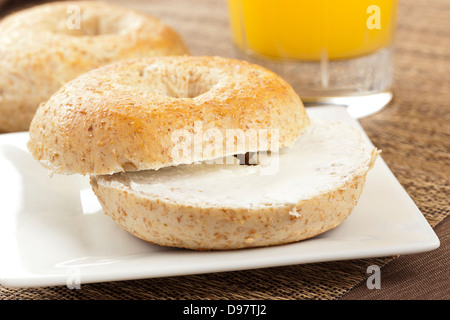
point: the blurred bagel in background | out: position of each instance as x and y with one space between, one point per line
44 46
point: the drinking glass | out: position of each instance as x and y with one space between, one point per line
330 51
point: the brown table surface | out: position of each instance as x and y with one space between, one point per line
413 132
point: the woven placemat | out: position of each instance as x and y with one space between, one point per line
413 132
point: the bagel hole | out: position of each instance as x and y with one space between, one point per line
94 26
91 22
176 82
197 86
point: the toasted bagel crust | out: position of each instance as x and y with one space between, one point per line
43 47
123 117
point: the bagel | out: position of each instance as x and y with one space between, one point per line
120 125
44 46
124 116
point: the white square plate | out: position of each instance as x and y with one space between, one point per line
53 231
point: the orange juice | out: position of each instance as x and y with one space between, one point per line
312 30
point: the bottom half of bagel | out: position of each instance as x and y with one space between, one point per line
295 194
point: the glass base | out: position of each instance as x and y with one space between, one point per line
358 106
361 83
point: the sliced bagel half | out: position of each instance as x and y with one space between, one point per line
300 192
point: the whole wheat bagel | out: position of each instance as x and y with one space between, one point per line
126 116
43 47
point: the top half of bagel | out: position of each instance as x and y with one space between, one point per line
157 112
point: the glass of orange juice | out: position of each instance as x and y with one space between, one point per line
331 51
